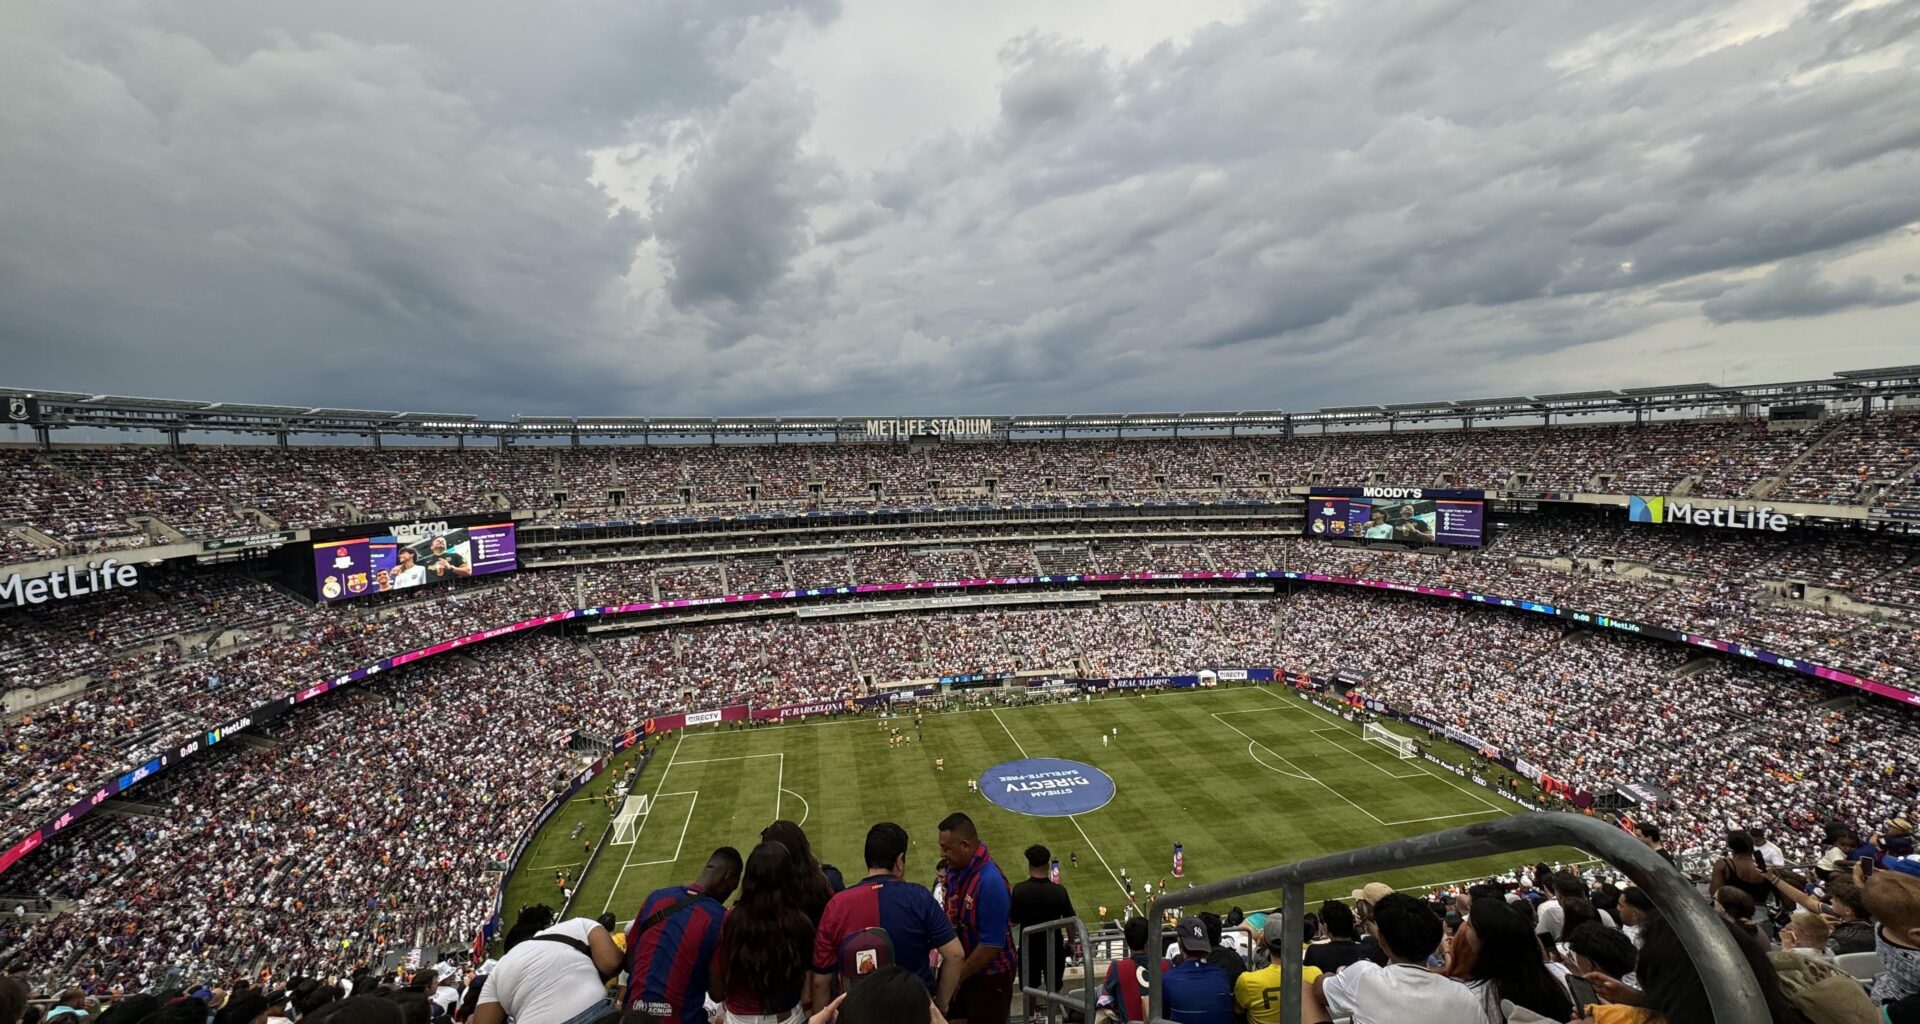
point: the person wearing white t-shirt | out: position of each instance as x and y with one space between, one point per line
409 573
1402 992
547 979
1771 855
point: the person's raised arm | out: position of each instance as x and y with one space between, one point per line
1613 990
1792 892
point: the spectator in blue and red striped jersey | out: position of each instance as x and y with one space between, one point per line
671 942
979 900
882 919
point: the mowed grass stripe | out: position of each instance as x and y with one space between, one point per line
1181 776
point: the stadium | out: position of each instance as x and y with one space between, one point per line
903 512
630 642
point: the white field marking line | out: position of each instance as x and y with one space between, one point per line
659 785
551 867
714 760
1262 763
1447 817
1297 772
780 786
1310 777
1368 760
1076 821
695 802
1455 783
803 803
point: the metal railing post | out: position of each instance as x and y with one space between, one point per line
1293 924
1086 1003
1155 1007
1730 985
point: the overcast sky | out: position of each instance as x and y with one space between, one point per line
655 207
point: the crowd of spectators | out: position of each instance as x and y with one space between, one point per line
347 837
154 678
1726 744
85 494
1730 744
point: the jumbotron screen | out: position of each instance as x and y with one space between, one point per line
410 555
1400 514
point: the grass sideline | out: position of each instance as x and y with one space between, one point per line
1244 777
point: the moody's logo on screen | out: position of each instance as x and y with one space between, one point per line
1646 510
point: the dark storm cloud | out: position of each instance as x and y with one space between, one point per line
387 207
1320 204
737 215
1797 290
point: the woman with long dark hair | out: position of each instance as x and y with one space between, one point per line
1671 987
766 942
813 882
1496 953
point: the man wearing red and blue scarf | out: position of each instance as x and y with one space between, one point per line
978 902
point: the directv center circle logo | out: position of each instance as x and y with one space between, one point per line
1047 786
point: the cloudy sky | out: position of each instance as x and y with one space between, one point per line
652 207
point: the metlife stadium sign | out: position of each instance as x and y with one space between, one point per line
1660 510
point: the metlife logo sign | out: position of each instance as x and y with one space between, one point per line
1660 510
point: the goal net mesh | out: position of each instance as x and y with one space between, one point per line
626 824
1401 745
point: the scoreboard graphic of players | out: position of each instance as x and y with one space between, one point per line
400 556
1403 515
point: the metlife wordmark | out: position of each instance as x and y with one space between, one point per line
62 584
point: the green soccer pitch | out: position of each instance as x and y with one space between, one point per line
1243 777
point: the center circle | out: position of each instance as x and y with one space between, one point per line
1048 787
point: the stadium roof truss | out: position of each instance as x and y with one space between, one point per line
72 409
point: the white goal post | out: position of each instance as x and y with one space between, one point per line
1402 745
626 824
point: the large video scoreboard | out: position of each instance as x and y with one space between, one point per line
366 560
1404 515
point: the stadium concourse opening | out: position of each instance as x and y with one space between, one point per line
1047 787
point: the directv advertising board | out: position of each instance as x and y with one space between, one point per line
401 556
1405 515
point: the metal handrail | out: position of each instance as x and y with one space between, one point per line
1085 1004
1731 987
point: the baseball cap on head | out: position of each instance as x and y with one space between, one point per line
1373 892
1273 934
863 953
1193 935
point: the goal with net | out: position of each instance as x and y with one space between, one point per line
626 824
1402 745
